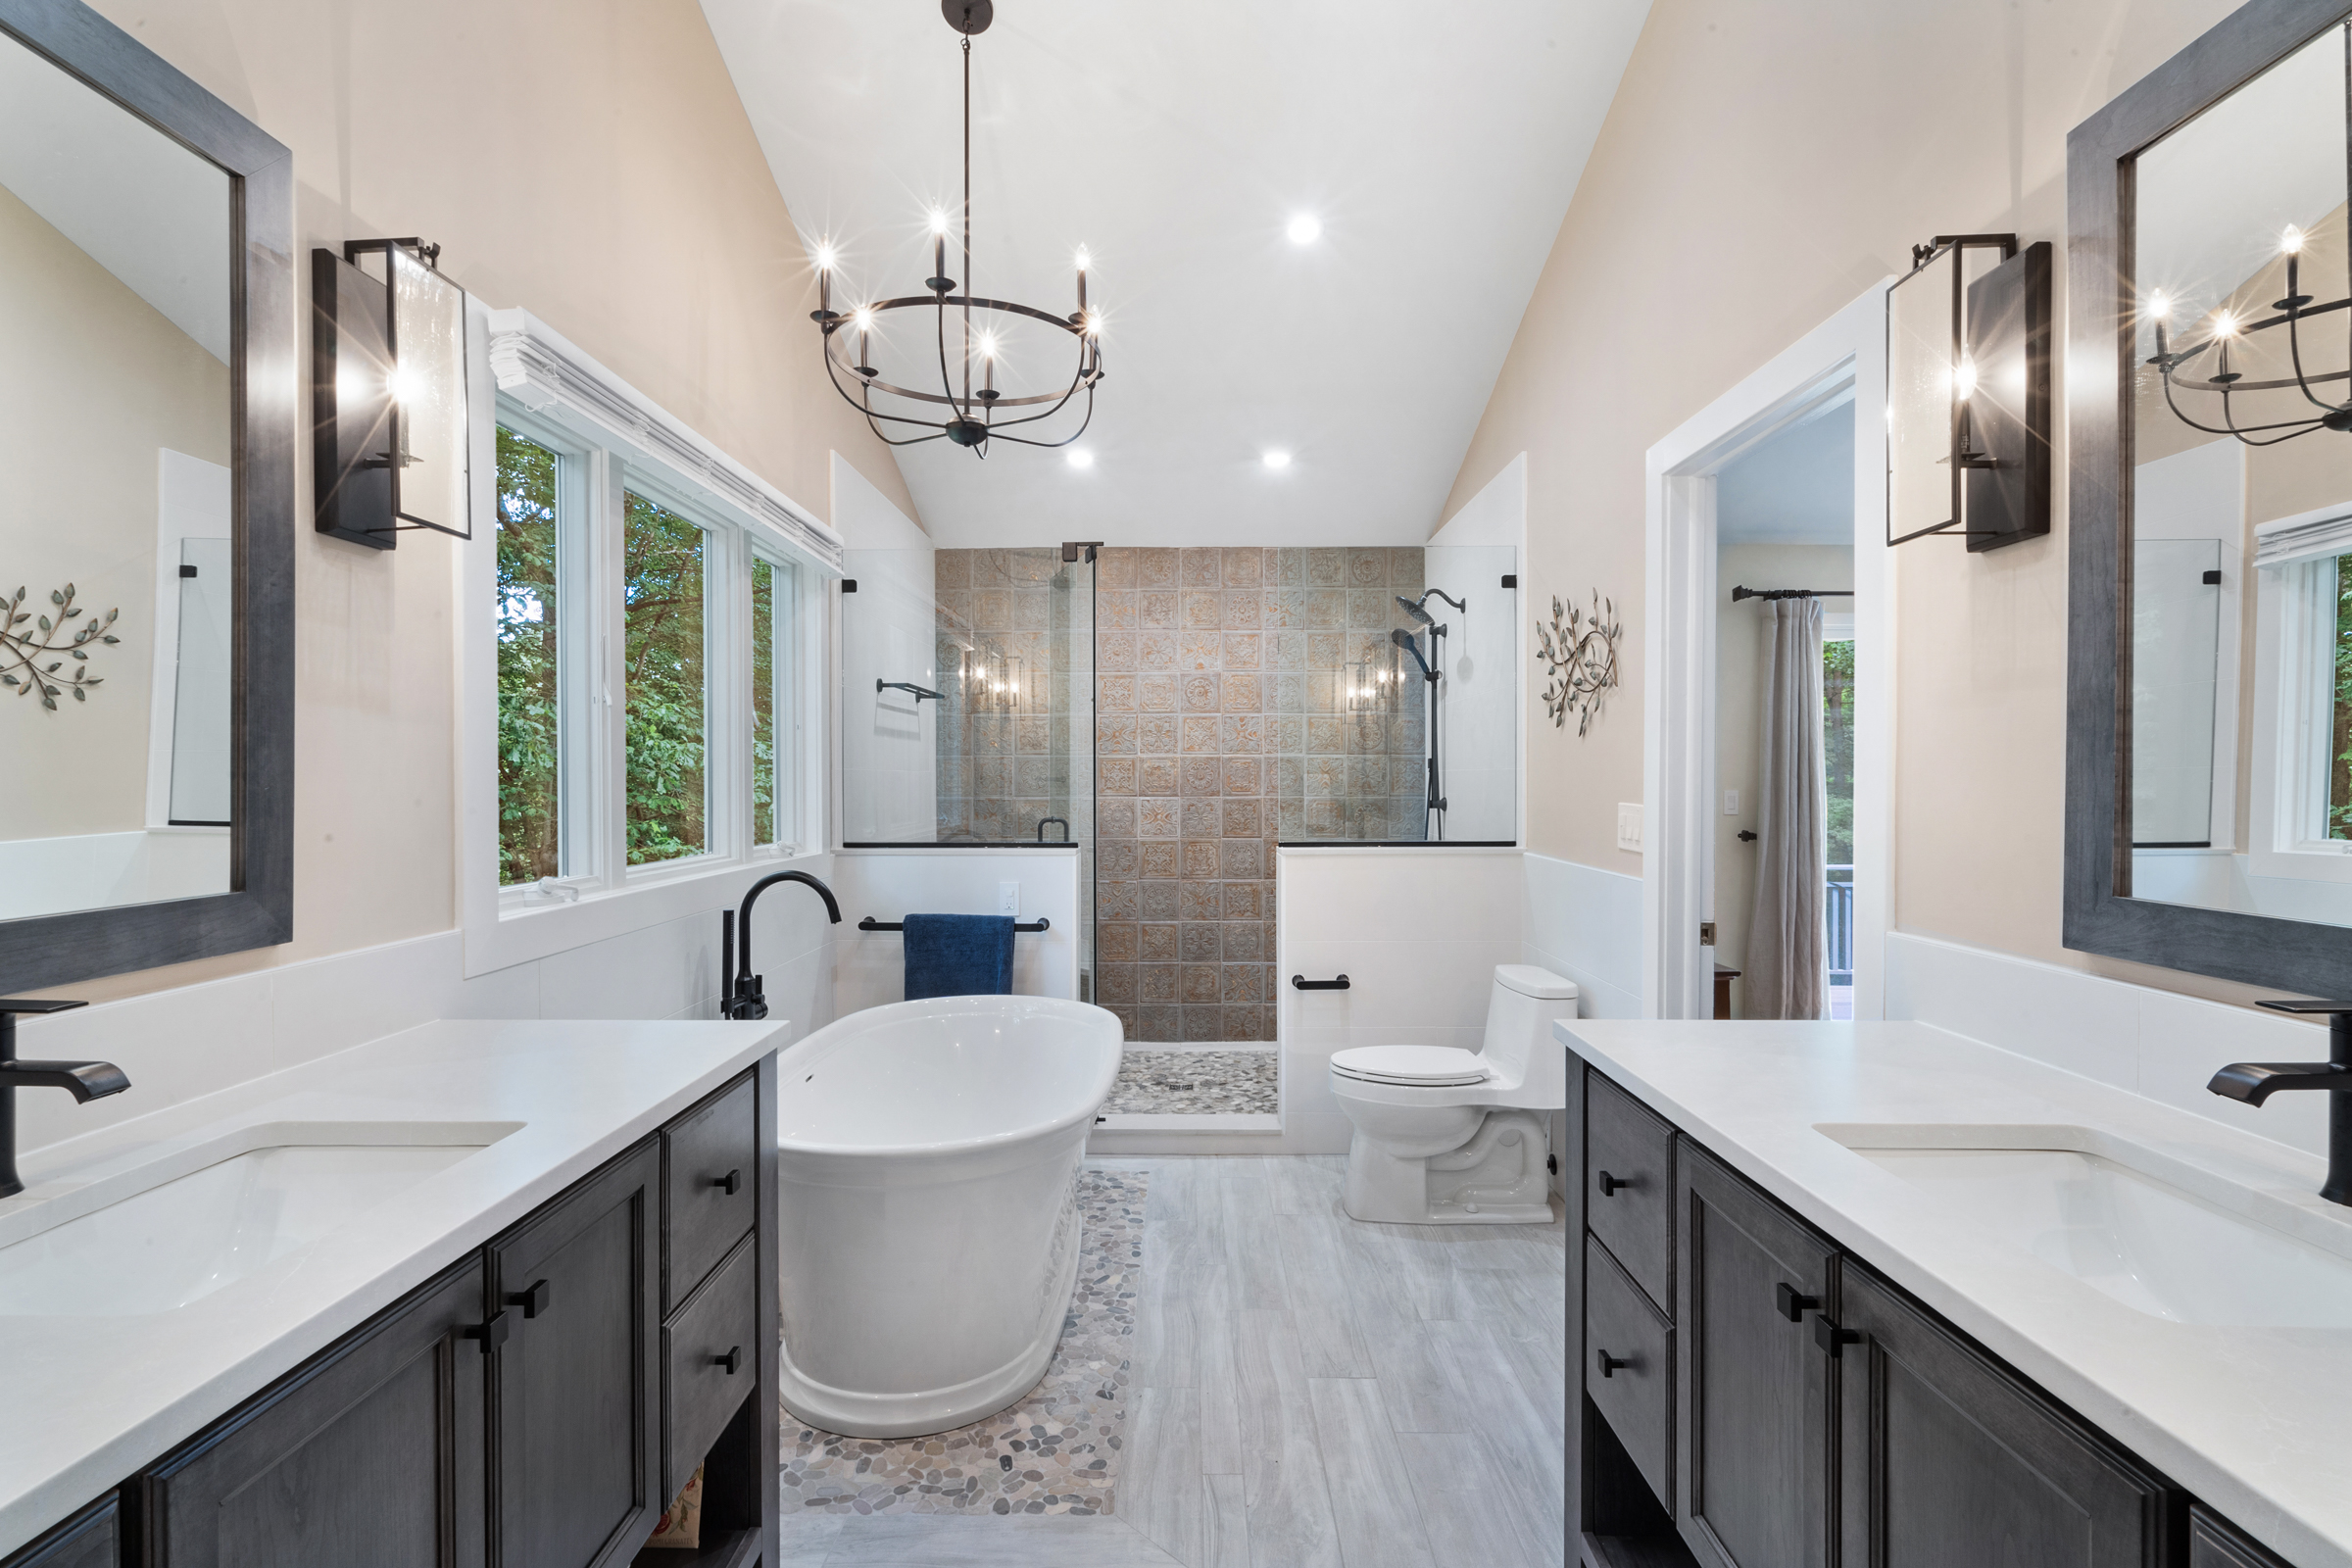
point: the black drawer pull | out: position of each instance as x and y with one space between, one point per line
533 1301
1792 1305
732 1361
1609 1184
1609 1363
732 1182
493 1332
1829 1337
1305 984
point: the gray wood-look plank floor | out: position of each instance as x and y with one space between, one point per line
1308 1392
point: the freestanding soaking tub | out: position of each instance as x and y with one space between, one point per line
928 1158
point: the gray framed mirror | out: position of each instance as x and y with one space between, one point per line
148 425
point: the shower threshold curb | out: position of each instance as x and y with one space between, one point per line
1195 1122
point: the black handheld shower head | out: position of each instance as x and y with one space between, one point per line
1405 640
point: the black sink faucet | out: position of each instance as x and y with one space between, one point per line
85 1081
2256 1081
743 993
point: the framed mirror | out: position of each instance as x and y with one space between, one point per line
147 427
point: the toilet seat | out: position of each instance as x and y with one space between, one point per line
1412 1066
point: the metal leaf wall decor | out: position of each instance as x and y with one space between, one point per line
26 663
1580 656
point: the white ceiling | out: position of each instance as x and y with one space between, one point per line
1795 487
1438 146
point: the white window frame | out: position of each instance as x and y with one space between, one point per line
610 443
2294 677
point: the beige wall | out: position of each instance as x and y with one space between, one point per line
97 382
1762 165
588 161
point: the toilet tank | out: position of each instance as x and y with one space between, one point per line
1521 1006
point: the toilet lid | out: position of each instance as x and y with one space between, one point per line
1432 1066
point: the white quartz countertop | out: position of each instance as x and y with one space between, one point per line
85 1402
2257 1422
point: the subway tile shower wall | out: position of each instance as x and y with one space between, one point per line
1223 726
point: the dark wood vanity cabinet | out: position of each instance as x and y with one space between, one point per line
575 1392
1946 1456
1805 1412
531 1406
2216 1543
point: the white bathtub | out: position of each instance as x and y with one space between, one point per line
928 1158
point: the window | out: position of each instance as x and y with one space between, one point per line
666 789
774 591
529 728
2339 694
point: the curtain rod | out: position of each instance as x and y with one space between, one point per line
1738 594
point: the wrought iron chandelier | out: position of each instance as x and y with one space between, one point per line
2219 377
963 413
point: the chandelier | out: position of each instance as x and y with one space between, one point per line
2204 364
970 416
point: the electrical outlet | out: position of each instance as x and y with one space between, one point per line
1009 899
1628 825
1730 803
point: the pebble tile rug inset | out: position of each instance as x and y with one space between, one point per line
1163 1083
1055 1452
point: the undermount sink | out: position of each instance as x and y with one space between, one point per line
2147 1243
157 1238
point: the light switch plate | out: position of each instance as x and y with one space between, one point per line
1009 899
1730 803
1628 825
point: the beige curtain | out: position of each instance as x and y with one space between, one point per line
1787 970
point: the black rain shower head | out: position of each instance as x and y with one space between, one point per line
1413 608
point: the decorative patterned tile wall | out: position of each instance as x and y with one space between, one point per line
1221 728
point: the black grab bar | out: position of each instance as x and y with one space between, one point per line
1305 984
869 923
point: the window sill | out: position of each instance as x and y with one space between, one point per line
526 925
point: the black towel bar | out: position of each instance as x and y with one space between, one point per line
869 923
1305 984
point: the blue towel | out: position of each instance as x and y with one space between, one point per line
958 955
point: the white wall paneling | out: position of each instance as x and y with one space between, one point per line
870 968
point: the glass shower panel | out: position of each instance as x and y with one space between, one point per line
2175 653
890 728
1478 703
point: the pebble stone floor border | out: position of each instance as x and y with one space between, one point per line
1195 1082
1054 1453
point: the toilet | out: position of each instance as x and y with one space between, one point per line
1452 1137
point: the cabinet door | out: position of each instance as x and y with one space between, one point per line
1947 1458
371 1456
576 1410
2215 1543
85 1540
1756 1417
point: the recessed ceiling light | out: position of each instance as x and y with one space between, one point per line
1079 458
1304 230
1277 459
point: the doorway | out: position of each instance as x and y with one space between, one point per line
1778 486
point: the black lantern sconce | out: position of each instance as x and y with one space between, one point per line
1968 392
388 393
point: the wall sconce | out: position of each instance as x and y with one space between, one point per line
1369 685
1968 392
388 393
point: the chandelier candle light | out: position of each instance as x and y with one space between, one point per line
2230 327
963 413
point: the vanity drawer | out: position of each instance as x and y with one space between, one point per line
1630 1339
709 1158
1628 1186
2216 1543
709 1362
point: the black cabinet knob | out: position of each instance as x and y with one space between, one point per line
1609 1184
532 1301
492 1333
731 1182
1831 1337
1794 1304
732 1361
1609 1363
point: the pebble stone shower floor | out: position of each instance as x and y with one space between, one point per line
1159 1080
1055 1452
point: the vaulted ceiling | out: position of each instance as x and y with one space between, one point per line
1435 147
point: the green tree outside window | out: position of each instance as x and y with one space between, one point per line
662 597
